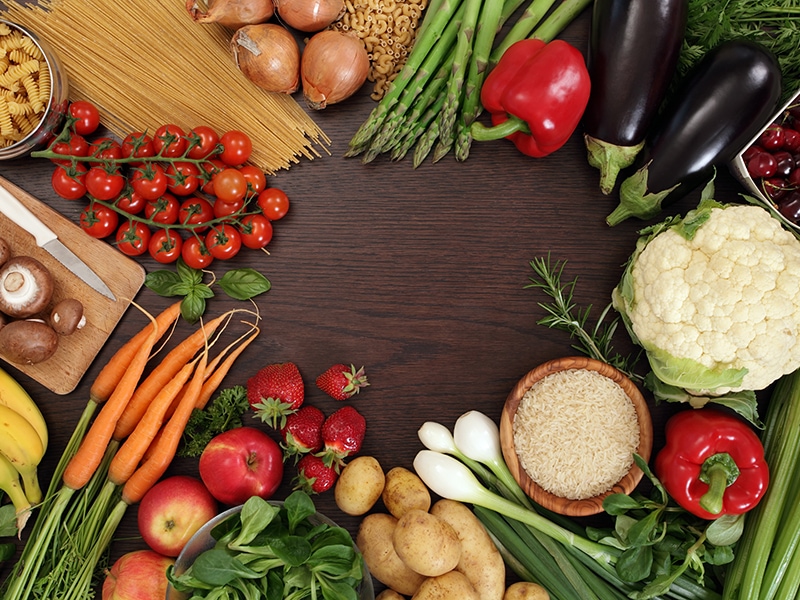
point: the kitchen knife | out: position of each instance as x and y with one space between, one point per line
11 207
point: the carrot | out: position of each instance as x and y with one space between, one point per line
146 475
93 446
169 366
130 453
112 373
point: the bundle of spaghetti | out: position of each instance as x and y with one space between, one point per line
145 64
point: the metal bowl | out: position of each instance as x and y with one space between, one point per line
56 107
202 541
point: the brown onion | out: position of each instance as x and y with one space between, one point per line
268 55
335 64
309 15
232 13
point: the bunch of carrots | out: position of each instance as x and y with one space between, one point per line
115 457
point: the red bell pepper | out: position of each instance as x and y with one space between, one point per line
536 95
712 463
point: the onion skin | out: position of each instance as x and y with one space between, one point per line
334 66
268 55
232 13
309 15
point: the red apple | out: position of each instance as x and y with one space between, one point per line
172 511
241 463
139 575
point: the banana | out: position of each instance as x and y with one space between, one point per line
21 445
9 483
14 396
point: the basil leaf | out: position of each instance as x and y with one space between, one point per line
193 306
188 274
244 284
166 283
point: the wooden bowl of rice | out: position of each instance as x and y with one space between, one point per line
569 430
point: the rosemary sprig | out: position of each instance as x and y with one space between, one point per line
564 315
773 23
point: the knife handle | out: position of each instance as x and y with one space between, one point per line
15 210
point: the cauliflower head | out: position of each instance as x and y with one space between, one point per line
714 299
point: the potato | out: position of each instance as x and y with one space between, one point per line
389 594
374 539
359 486
453 585
404 491
426 543
526 590
480 560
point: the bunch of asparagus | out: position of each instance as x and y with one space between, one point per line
435 98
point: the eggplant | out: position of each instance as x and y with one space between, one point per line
633 55
729 95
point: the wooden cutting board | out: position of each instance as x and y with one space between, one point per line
62 372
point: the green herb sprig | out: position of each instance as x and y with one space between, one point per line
240 284
563 314
772 23
222 414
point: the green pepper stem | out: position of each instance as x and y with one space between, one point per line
514 124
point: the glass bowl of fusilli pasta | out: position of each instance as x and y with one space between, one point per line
33 91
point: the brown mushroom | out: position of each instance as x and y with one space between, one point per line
67 316
28 341
5 252
26 287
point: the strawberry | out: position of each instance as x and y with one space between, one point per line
302 433
342 434
341 382
276 391
314 476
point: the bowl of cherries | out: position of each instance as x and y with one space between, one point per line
769 167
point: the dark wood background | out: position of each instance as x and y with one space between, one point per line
418 274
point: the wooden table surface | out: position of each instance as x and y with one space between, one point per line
418 274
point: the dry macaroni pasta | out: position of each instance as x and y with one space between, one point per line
24 85
387 28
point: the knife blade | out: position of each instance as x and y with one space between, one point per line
46 239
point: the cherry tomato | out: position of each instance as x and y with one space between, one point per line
104 185
236 147
169 141
255 177
99 221
69 182
106 148
165 246
210 168
226 209
86 117
256 231
183 178
195 211
195 254
163 210
133 238
229 185
150 181
223 241
202 142
138 145
274 203
76 145
131 202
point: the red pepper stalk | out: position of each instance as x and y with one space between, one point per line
536 95
712 463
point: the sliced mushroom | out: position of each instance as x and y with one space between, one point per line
28 341
26 287
5 252
67 316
